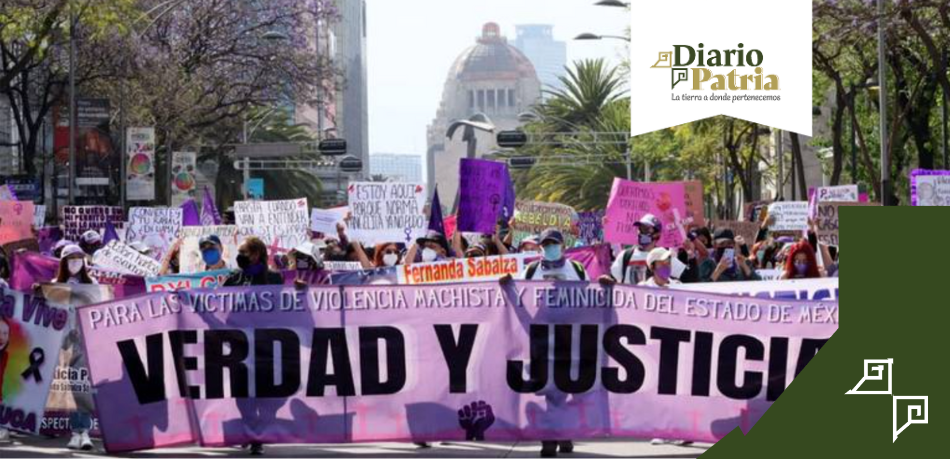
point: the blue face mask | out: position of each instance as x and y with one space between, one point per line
211 256
552 252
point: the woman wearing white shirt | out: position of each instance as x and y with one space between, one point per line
659 261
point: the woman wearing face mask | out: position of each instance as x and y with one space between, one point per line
73 270
307 263
801 262
432 247
386 255
253 270
553 267
530 245
659 261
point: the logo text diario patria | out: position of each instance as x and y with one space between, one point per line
706 67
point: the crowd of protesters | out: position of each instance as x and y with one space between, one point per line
707 255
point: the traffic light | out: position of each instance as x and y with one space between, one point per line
332 147
512 139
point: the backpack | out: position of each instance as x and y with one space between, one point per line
578 268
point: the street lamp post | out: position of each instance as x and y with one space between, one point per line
882 80
72 107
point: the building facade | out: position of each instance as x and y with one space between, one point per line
352 100
491 78
548 55
397 168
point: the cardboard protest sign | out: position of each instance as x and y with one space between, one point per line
189 257
29 245
930 188
827 219
391 366
79 219
120 257
387 212
16 221
748 230
32 330
532 218
462 270
789 216
156 227
482 188
71 388
630 201
325 221
280 224
695 211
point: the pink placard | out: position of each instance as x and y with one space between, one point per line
630 201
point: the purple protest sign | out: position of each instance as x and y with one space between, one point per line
400 363
482 195
32 268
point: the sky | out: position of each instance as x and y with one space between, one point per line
411 44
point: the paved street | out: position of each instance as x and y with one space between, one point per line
24 446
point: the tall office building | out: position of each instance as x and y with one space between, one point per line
397 168
352 105
548 55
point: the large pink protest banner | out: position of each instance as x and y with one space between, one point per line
630 201
445 362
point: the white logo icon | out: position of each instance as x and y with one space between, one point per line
874 371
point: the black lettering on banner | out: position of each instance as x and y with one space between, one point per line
216 361
326 340
457 354
370 380
149 385
702 363
632 365
810 347
539 363
563 358
670 339
728 363
265 381
778 361
178 339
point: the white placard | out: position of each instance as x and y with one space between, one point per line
156 227
844 193
789 216
324 221
120 257
386 212
284 224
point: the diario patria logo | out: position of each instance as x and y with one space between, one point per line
707 69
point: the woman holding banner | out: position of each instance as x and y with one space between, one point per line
73 270
252 261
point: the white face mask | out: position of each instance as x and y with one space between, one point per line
390 259
429 255
75 265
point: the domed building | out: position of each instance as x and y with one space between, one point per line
492 78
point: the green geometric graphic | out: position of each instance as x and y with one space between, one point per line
895 308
